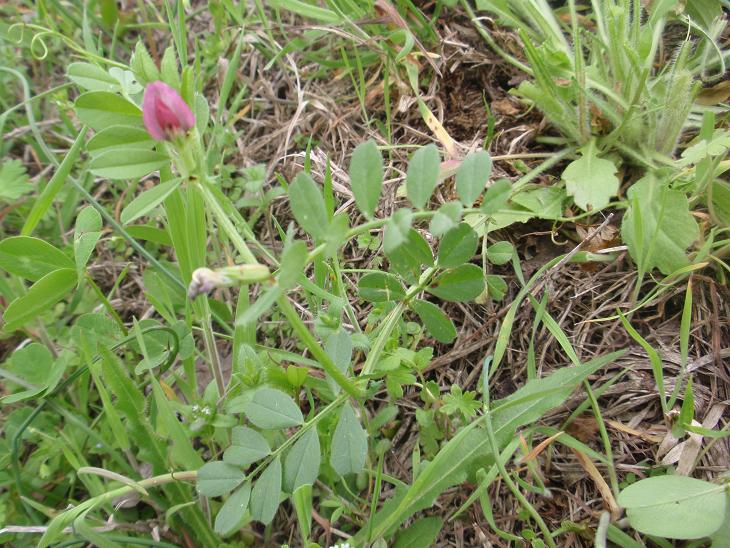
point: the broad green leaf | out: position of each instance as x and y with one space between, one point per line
127 163
13 180
497 196
86 233
101 109
591 180
247 447
119 137
35 365
148 200
378 287
436 322
664 228
397 229
150 234
451 464
272 409
232 514
472 176
408 258
461 284
301 465
91 77
266 493
446 218
545 202
307 205
302 501
458 246
293 261
420 534
366 176
218 478
40 298
31 258
500 253
676 507
349 443
422 177
496 286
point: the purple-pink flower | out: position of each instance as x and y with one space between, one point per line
165 113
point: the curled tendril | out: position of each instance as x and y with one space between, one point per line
38 40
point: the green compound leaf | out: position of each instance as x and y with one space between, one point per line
148 200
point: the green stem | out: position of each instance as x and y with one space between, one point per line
305 335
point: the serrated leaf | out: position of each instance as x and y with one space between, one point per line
457 246
591 180
143 66
461 284
301 466
308 206
658 226
422 176
676 507
231 515
247 447
13 180
366 176
272 409
40 298
31 258
436 322
218 478
266 493
472 176
148 200
349 443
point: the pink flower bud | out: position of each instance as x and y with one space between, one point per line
165 113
